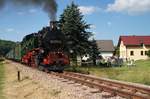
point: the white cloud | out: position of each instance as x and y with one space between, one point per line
88 9
93 26
10 29
109 23
20 13
130 6
32 10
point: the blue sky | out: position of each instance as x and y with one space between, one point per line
109 18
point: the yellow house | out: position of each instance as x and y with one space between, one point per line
134 47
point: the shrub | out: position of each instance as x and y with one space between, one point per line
1 59
148 53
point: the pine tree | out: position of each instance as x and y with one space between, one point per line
94 52
74 28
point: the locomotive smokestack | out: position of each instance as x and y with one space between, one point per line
53 25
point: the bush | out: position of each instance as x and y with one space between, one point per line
1 59
148 53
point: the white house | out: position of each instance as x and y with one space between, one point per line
106 48
134 47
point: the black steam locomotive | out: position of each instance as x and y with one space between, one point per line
43 50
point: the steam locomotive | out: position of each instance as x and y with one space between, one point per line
43 50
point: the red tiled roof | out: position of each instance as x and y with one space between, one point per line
135 40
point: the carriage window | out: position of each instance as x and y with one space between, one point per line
131 53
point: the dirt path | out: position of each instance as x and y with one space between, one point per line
25 89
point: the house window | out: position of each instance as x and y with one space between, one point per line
142 53
145 52
142 45
131 53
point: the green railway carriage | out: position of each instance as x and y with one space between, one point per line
10 54
17 52
29 42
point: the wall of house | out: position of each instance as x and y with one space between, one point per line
107 54
125 52
122 50
137 52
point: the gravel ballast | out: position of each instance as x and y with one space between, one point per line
36 84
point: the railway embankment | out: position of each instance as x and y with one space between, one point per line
35 84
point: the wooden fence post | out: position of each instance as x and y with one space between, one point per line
18 75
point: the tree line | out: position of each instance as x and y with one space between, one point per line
6 46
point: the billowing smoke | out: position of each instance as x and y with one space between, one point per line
2 3
49 6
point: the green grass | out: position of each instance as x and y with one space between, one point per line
138 74
1 80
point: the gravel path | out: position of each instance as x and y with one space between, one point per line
35 84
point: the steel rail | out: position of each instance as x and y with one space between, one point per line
134 88
113 87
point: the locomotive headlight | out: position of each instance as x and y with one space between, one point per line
71 51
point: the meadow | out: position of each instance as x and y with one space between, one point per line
137 74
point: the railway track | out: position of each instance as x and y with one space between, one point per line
115 88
